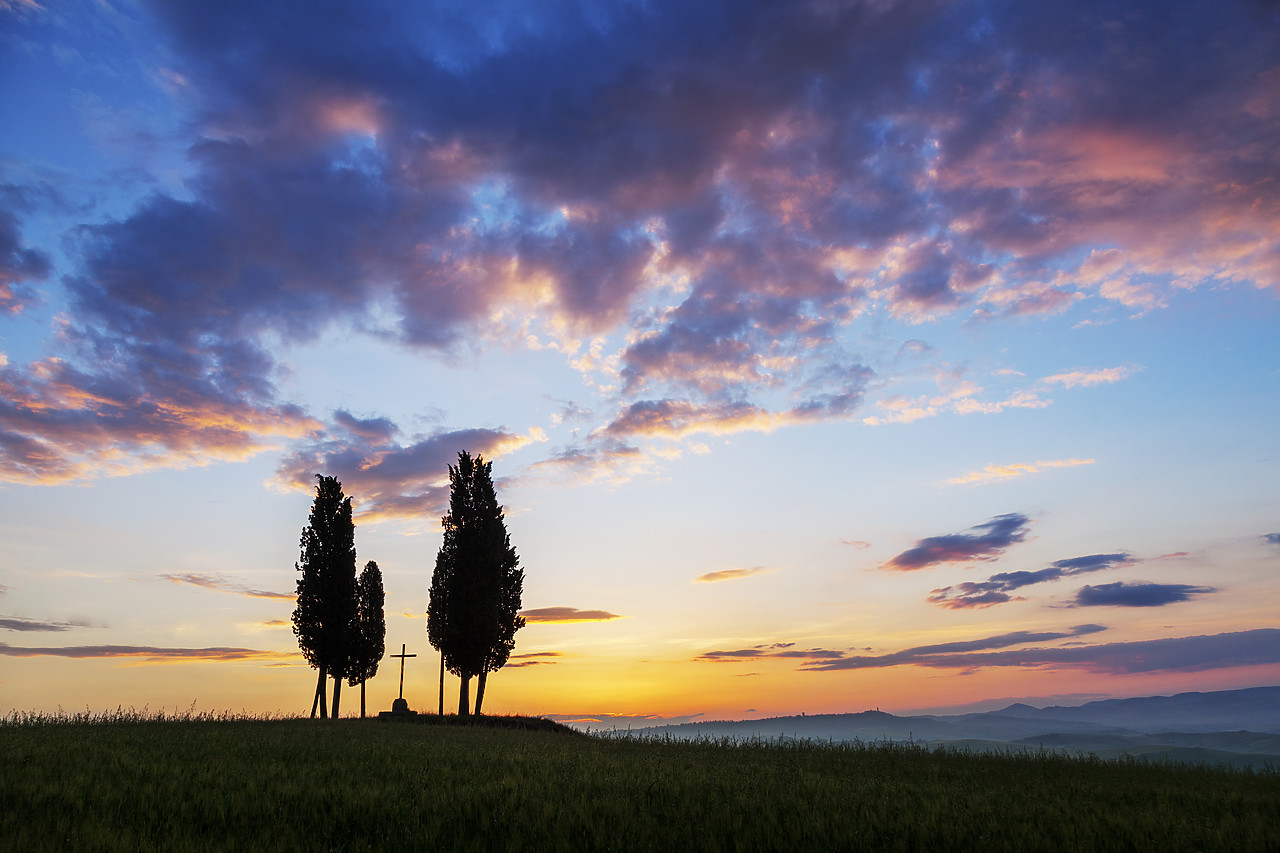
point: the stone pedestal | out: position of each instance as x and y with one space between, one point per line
399 711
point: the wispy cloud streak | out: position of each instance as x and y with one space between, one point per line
1175 654
221 584
731 574
994 473
21 623
150 654
566 614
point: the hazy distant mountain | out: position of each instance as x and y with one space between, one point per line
877 725
1255 709
1239 727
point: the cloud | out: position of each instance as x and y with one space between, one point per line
221 584
387 479
996 589
1174 654
992 473
566 614
677 418
769 650
731 574
859 544
955 395
20 623
1122 594
826 659
986 544
165 408
608 460
1271 538
533 659
722 207
150 654
1088 378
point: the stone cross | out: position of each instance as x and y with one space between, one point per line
402 656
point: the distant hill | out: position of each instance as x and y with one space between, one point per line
1255 709
1238 727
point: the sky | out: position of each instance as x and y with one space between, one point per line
830 354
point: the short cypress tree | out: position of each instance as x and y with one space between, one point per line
372 629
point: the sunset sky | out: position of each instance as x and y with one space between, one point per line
831 355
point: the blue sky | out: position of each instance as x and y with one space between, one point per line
801 335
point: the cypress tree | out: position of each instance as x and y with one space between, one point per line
477 584
371 631
324 619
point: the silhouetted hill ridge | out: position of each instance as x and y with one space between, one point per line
1240 727
1252 709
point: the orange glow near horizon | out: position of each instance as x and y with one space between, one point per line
579 684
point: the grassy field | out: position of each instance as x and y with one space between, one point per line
132 783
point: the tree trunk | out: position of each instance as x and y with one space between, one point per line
480 691
337 694
441 684
362 700
464 695
315 701
320 688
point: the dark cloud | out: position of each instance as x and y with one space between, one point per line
985 544
996 589
21 623
18 266
1123 594
1179 654
150 654
1271 538
221 584
376 431
534 659
566 614
387 479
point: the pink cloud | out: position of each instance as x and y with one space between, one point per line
562 615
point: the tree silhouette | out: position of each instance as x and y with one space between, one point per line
372 629
324 619
476 587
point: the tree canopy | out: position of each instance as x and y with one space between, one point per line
477 584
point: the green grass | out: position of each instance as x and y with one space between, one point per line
215 782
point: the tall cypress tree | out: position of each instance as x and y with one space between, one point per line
324 619
372 629
477 584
